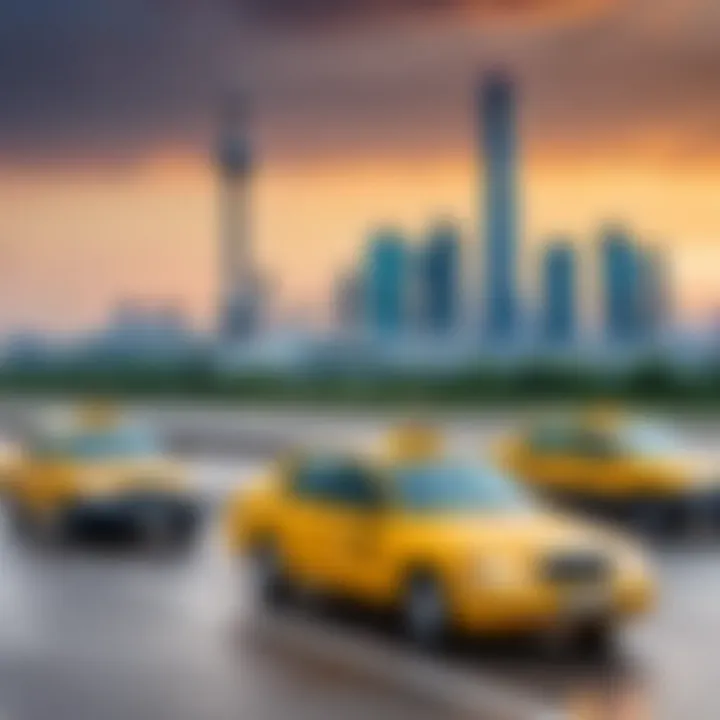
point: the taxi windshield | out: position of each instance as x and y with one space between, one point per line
649 439
457 488
117 443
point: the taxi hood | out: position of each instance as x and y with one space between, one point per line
525 533
151 474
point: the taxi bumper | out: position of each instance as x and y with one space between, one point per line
135 512
520 610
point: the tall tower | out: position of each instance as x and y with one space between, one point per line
239 293
496 100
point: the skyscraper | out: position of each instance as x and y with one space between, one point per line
559 272
439 279
349 302
499 150
622 286
239 291
655 288
386 283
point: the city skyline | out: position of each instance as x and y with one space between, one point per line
434 289
644 158
197 294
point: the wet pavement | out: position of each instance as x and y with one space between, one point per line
88 632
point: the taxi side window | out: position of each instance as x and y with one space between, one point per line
551 440
45 448
335 483
596 445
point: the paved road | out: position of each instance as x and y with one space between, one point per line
88 633
257 432
85 634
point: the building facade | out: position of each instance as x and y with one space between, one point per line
656 304
349 303
559 291
386 283
439 280
622 287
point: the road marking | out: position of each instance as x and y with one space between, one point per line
426 677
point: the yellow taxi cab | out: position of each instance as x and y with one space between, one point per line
95 471
617 464
448 544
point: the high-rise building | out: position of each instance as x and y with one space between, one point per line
499 150
349 302
239 291
655 293
559 281
386 283
438 289
622 286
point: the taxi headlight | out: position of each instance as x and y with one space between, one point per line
633 564
497 572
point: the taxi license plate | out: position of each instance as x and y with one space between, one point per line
587 600
155 520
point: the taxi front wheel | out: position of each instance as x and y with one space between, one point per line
661 519
268 578
424 611
596 641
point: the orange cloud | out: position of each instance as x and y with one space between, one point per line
319 14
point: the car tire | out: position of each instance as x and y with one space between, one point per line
697 520
424 611
652 519
184 532
596 641
268 579
48 531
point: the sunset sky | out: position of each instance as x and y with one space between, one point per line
108 114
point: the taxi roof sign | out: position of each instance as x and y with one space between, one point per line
98 414
413 441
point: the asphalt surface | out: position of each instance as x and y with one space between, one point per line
96 632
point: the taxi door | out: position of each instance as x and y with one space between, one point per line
606 471
580 463
548 460
331 527
304 522
361 565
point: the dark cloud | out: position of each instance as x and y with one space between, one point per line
90 75
116 78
